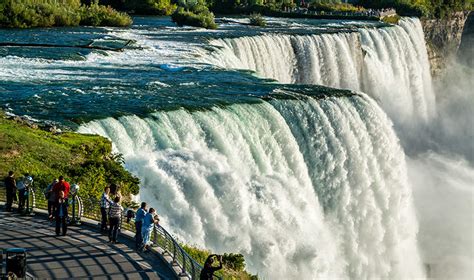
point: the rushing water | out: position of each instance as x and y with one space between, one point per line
305 181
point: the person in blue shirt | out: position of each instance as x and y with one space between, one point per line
139 217
148 223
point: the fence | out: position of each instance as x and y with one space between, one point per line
161 238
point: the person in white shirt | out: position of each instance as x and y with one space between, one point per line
104 207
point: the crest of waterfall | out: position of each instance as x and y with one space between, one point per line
390 64
303 188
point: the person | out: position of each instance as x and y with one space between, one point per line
51 197
149 222
104 207
139 216
207 273
22 192
115 214
10 185
61 214
63 186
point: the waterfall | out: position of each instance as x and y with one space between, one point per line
390 64
310 188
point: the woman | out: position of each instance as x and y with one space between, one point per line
115 215
61 214
150 220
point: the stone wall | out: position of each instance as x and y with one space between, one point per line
443 38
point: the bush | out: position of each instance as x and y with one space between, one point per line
150 7
196 14
47 13
334 6
257 20
96 15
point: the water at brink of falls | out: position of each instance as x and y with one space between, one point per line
306 181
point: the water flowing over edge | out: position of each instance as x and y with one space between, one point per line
390 64
303 188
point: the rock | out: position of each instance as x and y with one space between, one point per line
443 38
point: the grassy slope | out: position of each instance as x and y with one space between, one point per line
83 159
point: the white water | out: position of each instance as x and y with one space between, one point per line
308 189
390 64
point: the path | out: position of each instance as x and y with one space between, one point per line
83 253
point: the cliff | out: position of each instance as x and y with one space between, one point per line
466 49
443 38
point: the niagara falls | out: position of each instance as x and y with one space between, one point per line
319 140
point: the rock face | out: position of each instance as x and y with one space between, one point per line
466 49
443 38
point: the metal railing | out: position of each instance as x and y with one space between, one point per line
187 266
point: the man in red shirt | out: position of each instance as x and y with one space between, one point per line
62 185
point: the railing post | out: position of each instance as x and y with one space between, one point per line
183 271
155 234
174 250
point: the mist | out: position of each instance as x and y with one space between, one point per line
442 176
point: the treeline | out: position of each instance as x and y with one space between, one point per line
426 8
48 13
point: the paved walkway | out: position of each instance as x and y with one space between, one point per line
83 253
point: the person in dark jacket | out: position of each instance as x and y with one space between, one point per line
61 214
139 217
207 273
10 185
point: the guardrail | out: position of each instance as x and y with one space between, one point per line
188 267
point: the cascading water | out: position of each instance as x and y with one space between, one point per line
251 177
390 64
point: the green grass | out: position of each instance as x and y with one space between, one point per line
83 159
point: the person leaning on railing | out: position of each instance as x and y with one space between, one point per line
149 222
139 217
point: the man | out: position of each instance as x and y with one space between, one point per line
115 214
61 186
61 214
10 185
104 207
207 273
141 212
51 197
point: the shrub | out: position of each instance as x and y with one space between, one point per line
150 7
96 15
47 13
195 14
257 20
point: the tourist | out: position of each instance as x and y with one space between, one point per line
139 217
61 186
115 214
51 197
61 213
149 223
207 273
104 207
10 185
22 193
